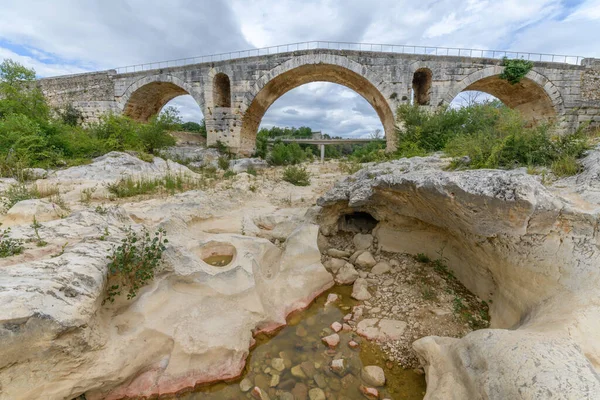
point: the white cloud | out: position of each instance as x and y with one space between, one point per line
325 107
69 36
187 107
41 68
590 10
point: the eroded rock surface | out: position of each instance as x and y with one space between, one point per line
533 252
57 339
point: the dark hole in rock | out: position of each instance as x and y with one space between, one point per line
358 222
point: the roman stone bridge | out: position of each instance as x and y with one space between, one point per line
235 93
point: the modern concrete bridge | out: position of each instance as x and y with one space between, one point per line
323 142
234 90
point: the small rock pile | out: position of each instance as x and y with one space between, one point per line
402 299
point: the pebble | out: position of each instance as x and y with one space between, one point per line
297 372
336 253
346 275
373 375
380 268
258 394
278 364
331 298
369 392
337 366
336 327
320 381
301 331
334 265
365 260
300 391
246 385
360 290
362 241
316 394
331 340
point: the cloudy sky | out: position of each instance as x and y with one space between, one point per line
69 36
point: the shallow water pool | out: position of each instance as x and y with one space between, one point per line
299 345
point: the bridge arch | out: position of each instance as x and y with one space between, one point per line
148 95
305 69
535 97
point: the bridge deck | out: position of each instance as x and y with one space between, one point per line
322 142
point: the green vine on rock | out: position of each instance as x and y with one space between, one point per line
515 69
134 263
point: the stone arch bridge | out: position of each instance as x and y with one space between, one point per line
235 93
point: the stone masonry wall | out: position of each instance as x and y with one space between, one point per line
572 92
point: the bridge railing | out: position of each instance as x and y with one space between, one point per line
386 48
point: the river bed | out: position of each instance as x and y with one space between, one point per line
307 360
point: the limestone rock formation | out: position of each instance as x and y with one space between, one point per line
532 251
242 164
57 339
506 364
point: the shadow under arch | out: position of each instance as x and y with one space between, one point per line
298 76
147 96
535 97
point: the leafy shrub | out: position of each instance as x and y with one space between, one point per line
223 163
371 152
566 165
31 137
195 127
221 147
287 154
426 131
491 135
155 135
350 167
117 132
296 175
71 115
8 246
134 263
262 145
515 69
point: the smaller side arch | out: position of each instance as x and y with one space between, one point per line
536 97
421 84
148 95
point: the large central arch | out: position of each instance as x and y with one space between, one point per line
535 97
287 77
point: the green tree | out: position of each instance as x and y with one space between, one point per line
195 127
19 93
